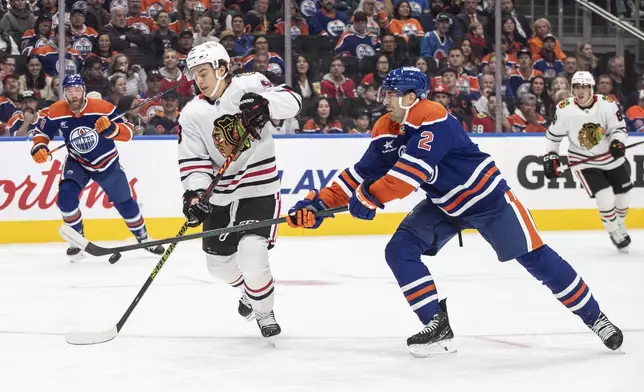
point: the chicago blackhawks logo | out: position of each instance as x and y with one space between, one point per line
228 131
590 135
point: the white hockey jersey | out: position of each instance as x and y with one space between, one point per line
254 173
570 119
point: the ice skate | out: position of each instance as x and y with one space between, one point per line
610 335
74 254
268 326
157 250
620 239
245 308
435 338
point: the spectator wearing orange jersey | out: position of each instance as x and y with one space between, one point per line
542 29
153 7
403 24
139 20
323 120
635 115
525 118
83 37
298 23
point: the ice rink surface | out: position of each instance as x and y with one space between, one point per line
343 318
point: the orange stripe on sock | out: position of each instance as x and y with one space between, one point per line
577 295
420 292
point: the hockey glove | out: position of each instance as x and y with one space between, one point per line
363 204
302 214
254 113
617 149
195 211
106 127
551 165
40 153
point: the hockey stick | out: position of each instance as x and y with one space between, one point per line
74 238
85 338
148 100
563 168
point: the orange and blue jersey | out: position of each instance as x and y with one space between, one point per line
83 41
48 56
430 151
516 80
143 23
93 151
152 7
7 109
357 45
16 121
635 118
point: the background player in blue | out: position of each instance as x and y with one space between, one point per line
93 157
418 144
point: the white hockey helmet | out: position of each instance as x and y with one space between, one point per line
583 78
207 53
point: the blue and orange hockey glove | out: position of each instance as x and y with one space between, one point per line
106 127
617 149
363 204
551 163
302 214
40 153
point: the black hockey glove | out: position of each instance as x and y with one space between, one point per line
617 149
551 165
195 211
254 113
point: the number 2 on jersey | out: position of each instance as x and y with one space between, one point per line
426 137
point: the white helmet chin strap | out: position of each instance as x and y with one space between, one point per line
406 107
219 79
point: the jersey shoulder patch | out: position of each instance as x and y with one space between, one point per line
565 103
425 112
607 99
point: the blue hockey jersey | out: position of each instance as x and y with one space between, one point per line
549 70
434 46
358 46
324 23
93 151
429 150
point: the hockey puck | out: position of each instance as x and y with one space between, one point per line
114 258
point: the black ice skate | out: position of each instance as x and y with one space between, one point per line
607 332
620 239
435 338
157 250
245 308
74 254
267 325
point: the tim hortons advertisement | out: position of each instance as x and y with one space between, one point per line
28 191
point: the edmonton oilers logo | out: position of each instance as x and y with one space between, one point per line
87 139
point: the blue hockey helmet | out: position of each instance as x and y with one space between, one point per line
73 80
406 79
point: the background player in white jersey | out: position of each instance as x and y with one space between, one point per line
211 126
594 126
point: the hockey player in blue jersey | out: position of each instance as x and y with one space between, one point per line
92 157
418 144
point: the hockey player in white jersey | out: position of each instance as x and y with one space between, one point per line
211 125
594 126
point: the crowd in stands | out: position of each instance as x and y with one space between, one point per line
130 50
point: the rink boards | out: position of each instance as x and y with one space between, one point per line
28 191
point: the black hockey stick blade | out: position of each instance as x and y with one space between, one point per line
73 237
